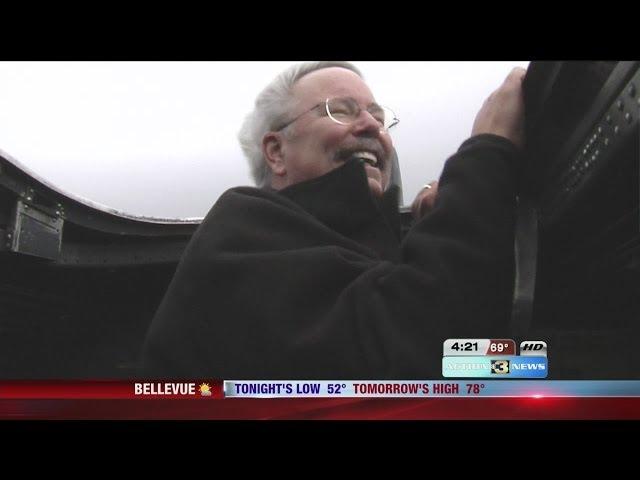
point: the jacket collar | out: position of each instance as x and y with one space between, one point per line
342 200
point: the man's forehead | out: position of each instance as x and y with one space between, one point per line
332 82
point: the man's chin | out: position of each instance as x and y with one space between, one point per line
375 180
375 187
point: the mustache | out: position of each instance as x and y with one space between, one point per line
369 145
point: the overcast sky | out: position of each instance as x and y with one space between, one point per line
160 138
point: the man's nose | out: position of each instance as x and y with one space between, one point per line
367 124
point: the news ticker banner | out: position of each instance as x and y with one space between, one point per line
430 388
494 358
228 390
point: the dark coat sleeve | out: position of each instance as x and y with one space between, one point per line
264 290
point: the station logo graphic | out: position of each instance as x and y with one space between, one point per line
500 367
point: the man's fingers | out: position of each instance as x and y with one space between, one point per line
516 75
503 112
519 72
425 199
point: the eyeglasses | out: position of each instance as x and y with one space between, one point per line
346 110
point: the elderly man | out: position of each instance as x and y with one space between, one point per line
307 276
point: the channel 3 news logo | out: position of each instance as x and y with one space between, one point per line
500 367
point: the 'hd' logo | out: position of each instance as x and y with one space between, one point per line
536 348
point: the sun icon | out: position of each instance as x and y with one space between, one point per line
205 390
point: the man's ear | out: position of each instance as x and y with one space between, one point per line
273 154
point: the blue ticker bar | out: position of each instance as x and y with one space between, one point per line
495 368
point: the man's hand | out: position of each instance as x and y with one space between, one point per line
503 112
425 200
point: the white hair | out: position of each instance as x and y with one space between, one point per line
271 109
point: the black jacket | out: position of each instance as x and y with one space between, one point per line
314 281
